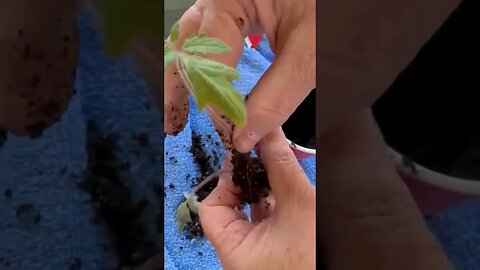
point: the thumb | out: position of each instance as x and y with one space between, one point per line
285 175
224 226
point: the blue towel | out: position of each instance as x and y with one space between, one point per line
458 231
56 227
43 216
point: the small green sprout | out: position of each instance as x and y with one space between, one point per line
191 203
183 210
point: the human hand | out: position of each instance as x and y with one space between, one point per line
363 46
368 217
290 28
39 51
282 235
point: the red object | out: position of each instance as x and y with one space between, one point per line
255 40
300 155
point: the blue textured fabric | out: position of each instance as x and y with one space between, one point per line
458 230
32 182
56 228
116 97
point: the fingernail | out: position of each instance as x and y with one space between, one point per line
246 141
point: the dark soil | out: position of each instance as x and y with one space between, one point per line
206 166
28 214
113 202
194 228
300 127
431 113
250 175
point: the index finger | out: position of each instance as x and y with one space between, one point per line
282 88
216 19
224 226
226 21
287 179
176 104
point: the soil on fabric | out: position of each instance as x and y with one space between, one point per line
431 114
112 200
207 165
300 126
249 174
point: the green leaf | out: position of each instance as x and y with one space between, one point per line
125 19
205 45
174 32
183 215
169 55
211 68
183 210
192 202
212 86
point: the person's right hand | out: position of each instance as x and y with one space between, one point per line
367 217
290 28
362 47
282 232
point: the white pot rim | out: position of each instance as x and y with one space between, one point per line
436 179
302 149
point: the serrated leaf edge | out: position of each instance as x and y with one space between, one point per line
202 104
185 47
